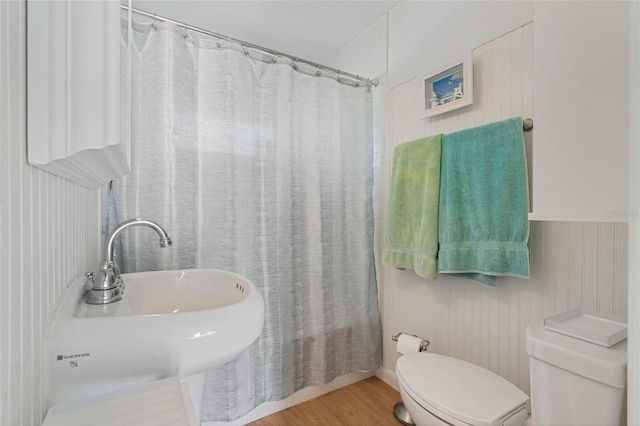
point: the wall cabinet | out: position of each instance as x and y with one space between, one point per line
581 107
73 90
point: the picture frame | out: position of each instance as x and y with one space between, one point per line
447 88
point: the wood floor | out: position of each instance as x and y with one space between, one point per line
366 403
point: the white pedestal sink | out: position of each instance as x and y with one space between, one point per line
169 324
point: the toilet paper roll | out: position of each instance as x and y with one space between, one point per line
408 343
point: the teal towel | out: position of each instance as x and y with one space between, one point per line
484 202
412 218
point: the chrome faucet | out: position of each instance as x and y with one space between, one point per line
109 286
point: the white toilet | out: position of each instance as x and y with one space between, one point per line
573 382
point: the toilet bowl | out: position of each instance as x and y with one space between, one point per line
573 382
440 390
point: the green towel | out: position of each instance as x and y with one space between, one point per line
412 218
484 202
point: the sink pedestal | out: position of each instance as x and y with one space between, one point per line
196 389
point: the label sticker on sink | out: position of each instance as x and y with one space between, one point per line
72 356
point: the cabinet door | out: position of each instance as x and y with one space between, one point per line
73 90
581 106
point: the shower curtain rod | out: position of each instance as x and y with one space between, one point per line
356 79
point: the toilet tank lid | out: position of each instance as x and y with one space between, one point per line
599 363
464 391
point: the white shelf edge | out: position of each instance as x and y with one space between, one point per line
617 216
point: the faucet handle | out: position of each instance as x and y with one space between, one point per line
90 277
105 287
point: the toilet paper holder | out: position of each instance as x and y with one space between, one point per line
424 344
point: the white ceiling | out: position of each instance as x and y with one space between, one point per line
311 29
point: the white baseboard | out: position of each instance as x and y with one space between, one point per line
388 376
301 396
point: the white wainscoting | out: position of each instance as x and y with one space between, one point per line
49 233
572 264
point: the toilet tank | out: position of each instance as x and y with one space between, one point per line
574 382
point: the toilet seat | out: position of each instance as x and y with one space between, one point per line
460 392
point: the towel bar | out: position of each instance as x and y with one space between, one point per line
424 344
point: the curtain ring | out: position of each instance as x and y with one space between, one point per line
274 59
185 35
246 51
155 22
318 73
295 64
218 43
357 81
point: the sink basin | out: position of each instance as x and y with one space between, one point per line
173 292
179 291
169 324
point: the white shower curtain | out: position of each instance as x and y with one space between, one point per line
259 169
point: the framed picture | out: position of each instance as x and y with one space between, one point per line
449 88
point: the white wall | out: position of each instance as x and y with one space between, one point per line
633 371
49 233
423 34
572 264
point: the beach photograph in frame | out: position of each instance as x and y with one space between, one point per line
448 89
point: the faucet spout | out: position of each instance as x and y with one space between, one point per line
109 245
109 286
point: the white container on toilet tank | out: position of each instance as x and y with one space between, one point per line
575 382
